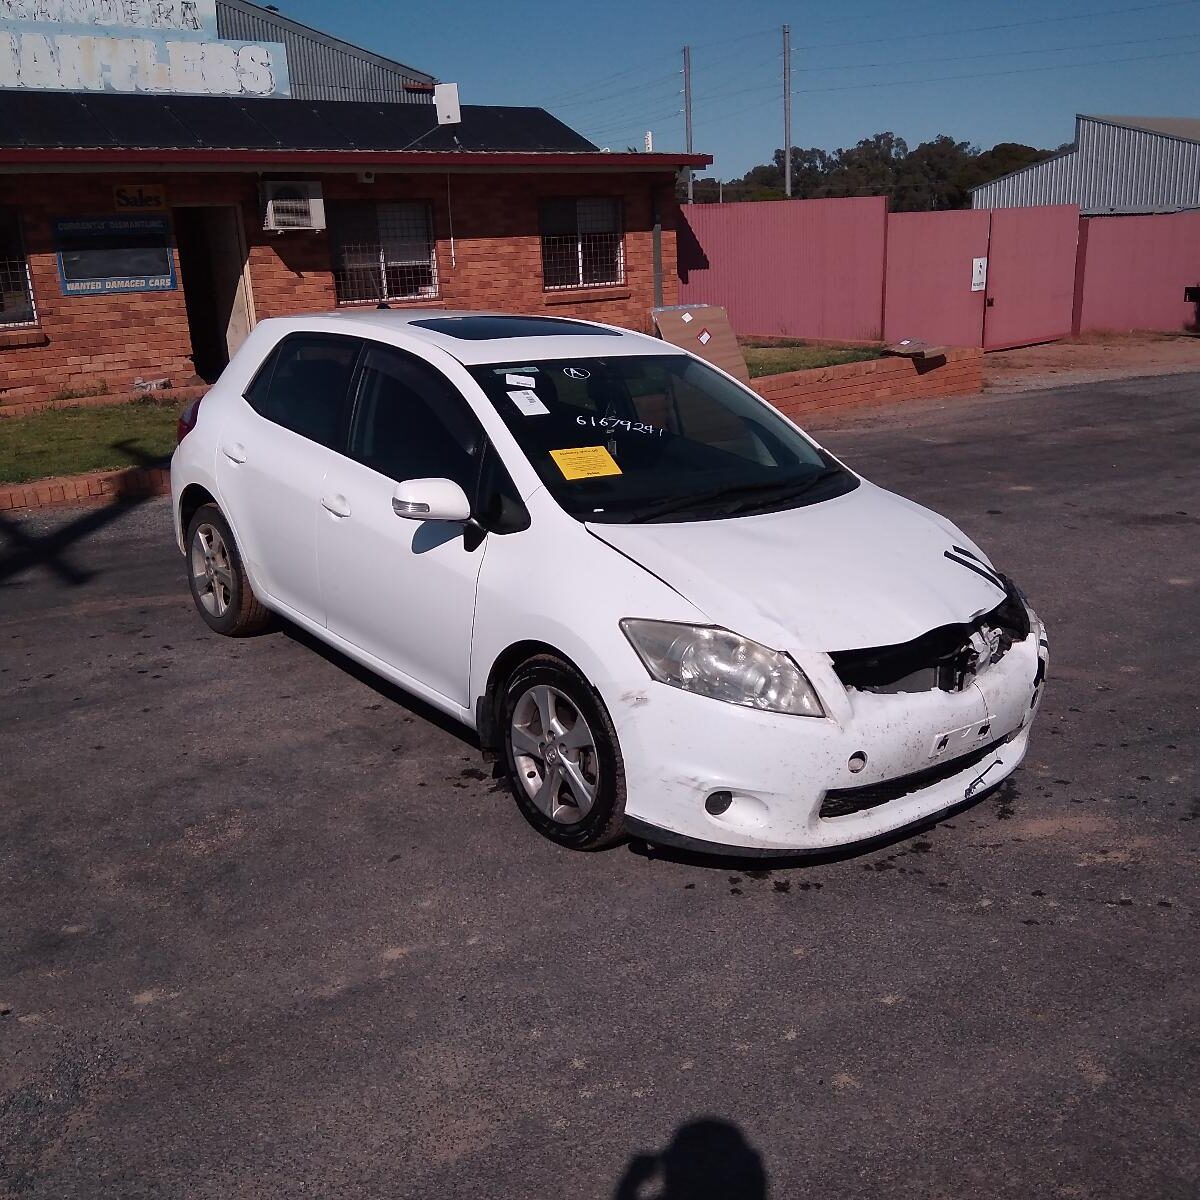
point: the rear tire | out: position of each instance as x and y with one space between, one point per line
561 755
220 587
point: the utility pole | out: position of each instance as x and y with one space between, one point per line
787 111
687 111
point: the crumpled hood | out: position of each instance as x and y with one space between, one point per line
864 569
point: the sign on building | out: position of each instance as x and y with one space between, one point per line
101 255
153 46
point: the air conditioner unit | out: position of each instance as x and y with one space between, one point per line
292 205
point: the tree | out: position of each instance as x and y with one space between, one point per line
1001 159
936 175
928 178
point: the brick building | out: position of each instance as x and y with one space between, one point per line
143 233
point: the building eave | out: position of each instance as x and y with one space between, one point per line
318 160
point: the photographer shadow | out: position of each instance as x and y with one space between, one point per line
708 1159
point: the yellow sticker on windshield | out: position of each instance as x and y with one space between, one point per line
585 462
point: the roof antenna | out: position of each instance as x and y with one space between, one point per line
383 304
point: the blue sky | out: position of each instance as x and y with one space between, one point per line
612 70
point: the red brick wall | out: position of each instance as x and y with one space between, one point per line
826 391
85 342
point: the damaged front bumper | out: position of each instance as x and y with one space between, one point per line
878 763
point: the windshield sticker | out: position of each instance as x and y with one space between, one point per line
585 462
520 381
528 402
617 424
686 318
577 373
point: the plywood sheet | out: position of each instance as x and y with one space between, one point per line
703 329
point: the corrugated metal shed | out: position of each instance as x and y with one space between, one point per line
1117 165
323 67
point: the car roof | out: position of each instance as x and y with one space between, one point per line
487 337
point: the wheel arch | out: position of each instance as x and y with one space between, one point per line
487 706
191 499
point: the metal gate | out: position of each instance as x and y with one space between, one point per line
1030 275
993 278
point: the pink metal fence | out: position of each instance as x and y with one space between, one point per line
1030 275
1133 271
847 269
800 268
928 284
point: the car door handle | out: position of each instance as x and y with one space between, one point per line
338 505
235 453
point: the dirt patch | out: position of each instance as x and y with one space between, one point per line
1090 359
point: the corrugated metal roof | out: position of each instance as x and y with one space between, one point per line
1187 128
1117 165
35 120
322 67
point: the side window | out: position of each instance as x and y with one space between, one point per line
498 506
305 384
412 423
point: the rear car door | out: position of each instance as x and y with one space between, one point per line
272 458
403 590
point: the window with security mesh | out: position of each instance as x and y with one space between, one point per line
582 243
16 292
382 252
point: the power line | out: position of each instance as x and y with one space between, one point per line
945 33
971 75
767 87
1100 62
1012 53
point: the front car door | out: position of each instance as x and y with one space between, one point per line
403 591
272 458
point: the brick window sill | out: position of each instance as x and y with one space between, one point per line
617 291
15 337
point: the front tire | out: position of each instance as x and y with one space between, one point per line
562 756
220 587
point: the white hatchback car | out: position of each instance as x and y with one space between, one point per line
666 609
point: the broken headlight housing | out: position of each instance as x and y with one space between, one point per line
714 662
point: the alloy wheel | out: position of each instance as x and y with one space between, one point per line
212 571
554 751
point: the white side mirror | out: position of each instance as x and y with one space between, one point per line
431 500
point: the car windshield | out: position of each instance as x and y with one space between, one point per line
659 437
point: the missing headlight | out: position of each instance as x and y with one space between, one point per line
948 657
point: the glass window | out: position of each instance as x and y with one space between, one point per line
655 437
410 422
16 293
304 386
101 255
582 243
382 251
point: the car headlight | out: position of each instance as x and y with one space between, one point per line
714 662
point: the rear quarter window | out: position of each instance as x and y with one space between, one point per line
304 385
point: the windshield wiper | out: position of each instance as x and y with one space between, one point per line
787 492
746 494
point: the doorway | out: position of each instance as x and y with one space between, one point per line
216 287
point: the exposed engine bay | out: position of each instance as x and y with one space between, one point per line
948 657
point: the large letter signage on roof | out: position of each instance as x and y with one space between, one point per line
152 46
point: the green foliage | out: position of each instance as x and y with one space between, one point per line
935 175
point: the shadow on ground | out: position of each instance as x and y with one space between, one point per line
707 1159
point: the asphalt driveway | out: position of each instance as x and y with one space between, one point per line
269 929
